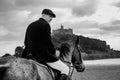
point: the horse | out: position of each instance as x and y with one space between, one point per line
18 51
15 68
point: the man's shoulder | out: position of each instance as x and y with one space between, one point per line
42 21
39 22
35 22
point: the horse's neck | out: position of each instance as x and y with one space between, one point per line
67 58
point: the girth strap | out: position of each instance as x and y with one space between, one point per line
46 67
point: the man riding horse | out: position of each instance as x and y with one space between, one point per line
38 43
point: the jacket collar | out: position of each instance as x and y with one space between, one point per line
41 19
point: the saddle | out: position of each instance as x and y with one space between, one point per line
55 74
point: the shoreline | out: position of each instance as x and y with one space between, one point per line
115 61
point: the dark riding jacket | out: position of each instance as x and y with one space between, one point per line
38 42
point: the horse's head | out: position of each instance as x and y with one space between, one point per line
70 53
18 51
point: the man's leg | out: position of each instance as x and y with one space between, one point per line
59 65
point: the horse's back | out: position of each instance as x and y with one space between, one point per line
18 69
44 72
24 69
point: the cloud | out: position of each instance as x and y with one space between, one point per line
32 5
85 8
105 14
116 22
13 24
6 5
43 3
84 27
3 31
117 3
10 35
94 29
111 28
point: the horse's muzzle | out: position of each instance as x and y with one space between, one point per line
80 68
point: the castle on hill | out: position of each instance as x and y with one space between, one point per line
62 31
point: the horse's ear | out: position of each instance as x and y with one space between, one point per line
77 40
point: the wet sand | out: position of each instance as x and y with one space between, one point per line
99 70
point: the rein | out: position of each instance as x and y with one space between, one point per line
71 67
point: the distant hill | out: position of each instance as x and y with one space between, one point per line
93 44
94 48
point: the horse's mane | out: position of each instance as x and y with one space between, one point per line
65 47
64 50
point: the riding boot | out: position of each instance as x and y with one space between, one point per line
65 77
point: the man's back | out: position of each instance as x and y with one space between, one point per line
38 41
36 33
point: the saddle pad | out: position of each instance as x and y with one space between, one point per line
49 69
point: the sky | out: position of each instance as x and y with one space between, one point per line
99 19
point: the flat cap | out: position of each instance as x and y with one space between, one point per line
49 12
